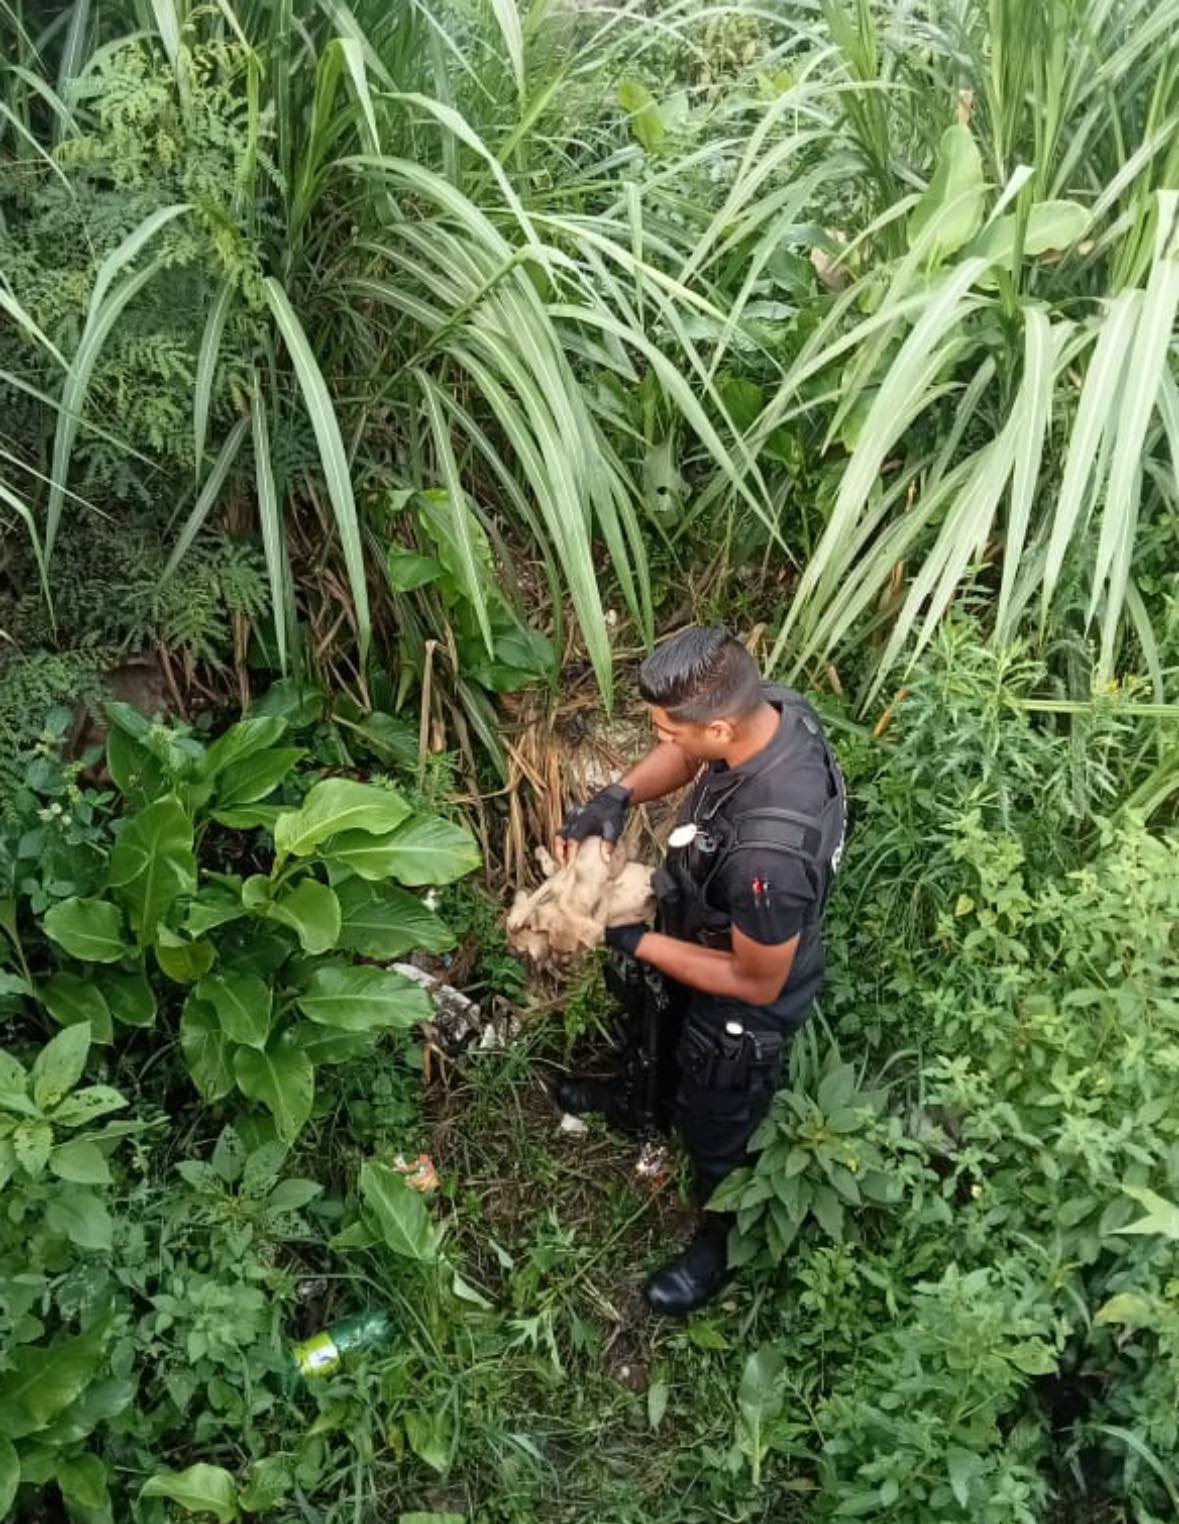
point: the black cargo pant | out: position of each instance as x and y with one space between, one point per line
720 1081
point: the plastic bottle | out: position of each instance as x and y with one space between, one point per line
323 1352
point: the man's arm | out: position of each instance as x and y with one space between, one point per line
752 972
664 769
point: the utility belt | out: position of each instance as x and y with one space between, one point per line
657 1019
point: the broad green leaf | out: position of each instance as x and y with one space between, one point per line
250 817
243 1005
379 921
399 1211
152 863
429 1435
84 1106
70 1000
409 570
200 1489
252 778
82 1482
951 210
130 997
1051 227
283 1080
1162 1215
361 999
90 930
759 1402
425 850
333 806
81 1162
183 962
332 455
245 739
9 1475
58 1067
43 1380
1130 1308
207 1050
312 911
657 1395
31 1143
642 111
79 1215
214 906
138 774
330 1045
962 1466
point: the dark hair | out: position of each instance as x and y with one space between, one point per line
701 675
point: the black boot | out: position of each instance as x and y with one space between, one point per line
695 1275
608 1096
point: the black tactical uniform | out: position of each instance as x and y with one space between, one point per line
767 841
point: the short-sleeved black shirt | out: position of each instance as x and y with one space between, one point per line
772 896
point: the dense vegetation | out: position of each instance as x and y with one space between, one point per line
371 376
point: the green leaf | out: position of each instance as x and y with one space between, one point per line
152 863
214 906
283 1080
409 570
378 921
79 1215
951 210
9 1475
129 996
70 1000
58 1067
1052 226
828 1210
333 457
312 911
399 1211
657 1395
333 806
81 1162
137 773
1033 1357
759 1403
428 1432
363 999
1130 1308
274 546
88 929
426 850
199 1489
643 112
82 1482
1162 1215
241 741
330 1045
183 962
242 1002
251 779
43 1380
962 1466
417 1517
207 1051
87 1105
31 1143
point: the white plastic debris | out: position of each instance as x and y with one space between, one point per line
574 1126
456 1016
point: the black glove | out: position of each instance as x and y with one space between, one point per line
626 939
604 816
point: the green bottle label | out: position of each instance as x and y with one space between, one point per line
316 1355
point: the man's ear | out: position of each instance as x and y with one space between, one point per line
722 731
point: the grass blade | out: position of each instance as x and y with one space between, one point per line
208 495
206 370
332 457
271 521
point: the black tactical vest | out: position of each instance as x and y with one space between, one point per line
764 806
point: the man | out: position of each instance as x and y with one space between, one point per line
741 899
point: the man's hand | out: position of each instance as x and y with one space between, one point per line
626 939
604 816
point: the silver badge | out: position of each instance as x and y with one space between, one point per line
683 835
